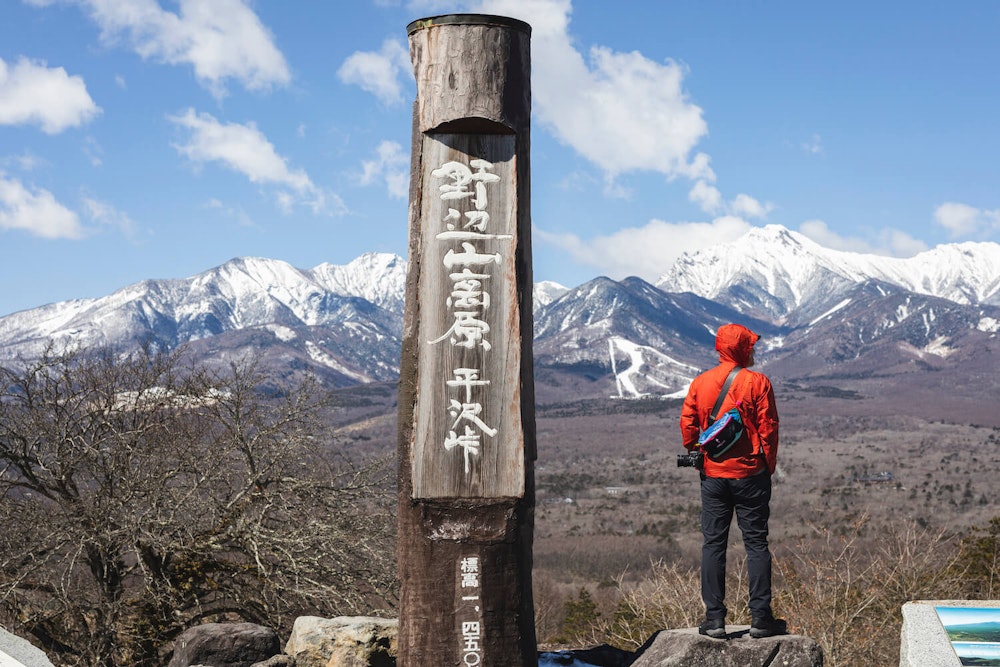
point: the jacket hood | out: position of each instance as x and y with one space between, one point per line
734 343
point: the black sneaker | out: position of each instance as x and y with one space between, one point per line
713 627
768 627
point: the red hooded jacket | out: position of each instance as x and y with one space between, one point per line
751 392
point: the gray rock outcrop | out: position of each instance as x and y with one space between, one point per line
686 648
280 660
345 641
21 650
225 645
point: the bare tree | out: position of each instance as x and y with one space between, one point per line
139 497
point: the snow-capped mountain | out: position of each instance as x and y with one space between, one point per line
922 328
545 292
649 341
785 276
826 316
377 277
325 315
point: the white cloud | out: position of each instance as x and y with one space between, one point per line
900 244
650 251
710 199
814 146
236 213
706 196
378 72
26 161
106 215
221 39
616 190
964 220
245 149
820 232
390 165
647 251
36 211
92 149
889 242
32 93
621 111
426 7
747 206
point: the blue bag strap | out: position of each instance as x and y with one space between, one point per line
723 392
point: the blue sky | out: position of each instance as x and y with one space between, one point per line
951 616
157 139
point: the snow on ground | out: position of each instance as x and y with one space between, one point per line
625 379
320 356
840 305
282 333
988 324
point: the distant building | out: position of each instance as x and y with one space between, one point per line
615 490
876 478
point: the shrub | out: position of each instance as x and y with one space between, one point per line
140 497
844 587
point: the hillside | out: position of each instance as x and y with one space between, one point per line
915 336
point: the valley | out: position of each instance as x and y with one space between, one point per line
884 377
610 498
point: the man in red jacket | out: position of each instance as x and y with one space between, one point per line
738 481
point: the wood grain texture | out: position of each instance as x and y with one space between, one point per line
465 536
470 73
491 463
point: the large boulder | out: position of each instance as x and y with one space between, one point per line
17 651
225 645
280 660
345 641
677 648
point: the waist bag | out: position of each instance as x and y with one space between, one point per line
726 430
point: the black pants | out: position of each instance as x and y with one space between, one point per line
750 499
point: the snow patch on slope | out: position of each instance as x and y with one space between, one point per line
645 370
320 356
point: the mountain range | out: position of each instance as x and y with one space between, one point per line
919 333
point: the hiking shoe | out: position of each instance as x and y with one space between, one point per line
713 627
768 627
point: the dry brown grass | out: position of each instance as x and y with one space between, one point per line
845 590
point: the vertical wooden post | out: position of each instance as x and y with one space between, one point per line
466 389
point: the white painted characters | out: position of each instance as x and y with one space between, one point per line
470 574
471 648
469 267
472 652
459 178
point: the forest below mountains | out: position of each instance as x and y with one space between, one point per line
142 495
868 512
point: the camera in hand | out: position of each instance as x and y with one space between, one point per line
693 459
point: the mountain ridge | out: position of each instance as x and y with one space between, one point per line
791 269
826 316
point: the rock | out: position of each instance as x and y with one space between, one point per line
225 645
15 651
280 660
677 648
345 641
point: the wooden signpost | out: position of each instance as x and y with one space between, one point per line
466 389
